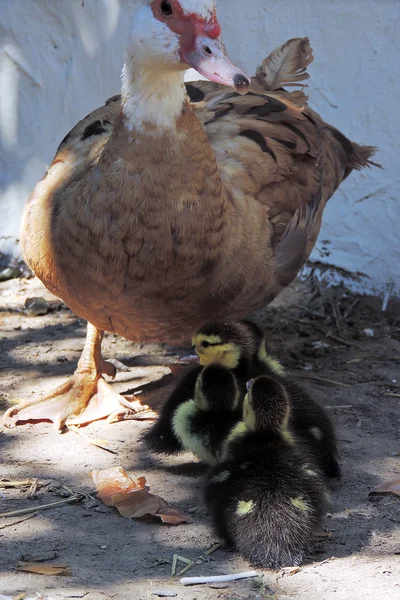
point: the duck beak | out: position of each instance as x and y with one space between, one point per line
209 58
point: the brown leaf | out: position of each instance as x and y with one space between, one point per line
41 569
172 516
113 481
136 504
388 488
131 497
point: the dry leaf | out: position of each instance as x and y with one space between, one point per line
131 497
41 569
114 481
388 488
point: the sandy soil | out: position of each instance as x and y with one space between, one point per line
353 373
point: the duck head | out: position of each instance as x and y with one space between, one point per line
173 35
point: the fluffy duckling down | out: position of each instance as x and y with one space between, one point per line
267 496
161 438
241 346
202 424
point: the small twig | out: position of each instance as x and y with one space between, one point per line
217 578
392 394
385 383
350 309
185 561
323 562
322 379
95 443
338 313
25 511
315 294
19 521
338 339
375 359
310 312
174 561
186 569
33 489
22 483
213 549
341 406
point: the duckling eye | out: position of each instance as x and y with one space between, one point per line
166 8
205 344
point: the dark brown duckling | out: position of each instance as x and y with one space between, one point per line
267 496
202 423
160 438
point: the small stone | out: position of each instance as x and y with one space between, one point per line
35 307
369 332
303 333
9 273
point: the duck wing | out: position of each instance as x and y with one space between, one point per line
271 147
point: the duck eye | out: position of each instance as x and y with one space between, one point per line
166 8
205 344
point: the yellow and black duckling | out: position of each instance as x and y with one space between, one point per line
242 337
267 496
202 424
236 345
160 438
241 346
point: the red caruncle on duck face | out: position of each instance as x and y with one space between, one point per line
195 23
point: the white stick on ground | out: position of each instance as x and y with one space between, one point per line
217 578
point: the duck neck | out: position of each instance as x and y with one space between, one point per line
152 100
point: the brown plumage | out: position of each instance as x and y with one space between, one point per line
149 236
263 172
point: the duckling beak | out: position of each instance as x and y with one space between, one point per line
208 56
189 358
249 384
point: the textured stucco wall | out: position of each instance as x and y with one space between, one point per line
59 60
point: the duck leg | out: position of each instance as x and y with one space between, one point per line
84 398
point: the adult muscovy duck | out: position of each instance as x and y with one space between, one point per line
171 206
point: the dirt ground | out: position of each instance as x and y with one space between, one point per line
344 349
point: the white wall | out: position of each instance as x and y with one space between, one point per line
59 60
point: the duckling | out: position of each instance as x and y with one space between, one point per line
267 496
203 423
160 438
241 346
232 344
